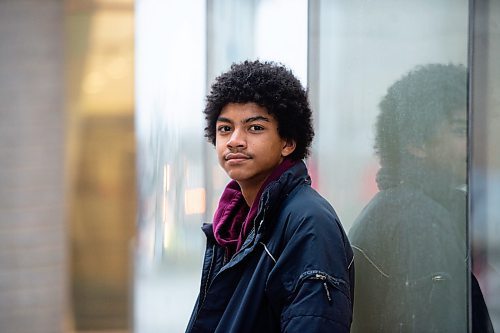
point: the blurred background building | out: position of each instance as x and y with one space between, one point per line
106 176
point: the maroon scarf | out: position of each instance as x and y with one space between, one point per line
233 218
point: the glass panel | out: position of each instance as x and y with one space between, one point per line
485 173
170 86
179 180
390 88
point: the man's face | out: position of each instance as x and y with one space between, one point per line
248 144
447 150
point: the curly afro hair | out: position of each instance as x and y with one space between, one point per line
271 86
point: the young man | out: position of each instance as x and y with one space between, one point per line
277 258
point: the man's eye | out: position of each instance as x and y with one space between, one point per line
223 129
256 128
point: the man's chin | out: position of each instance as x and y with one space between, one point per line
236 175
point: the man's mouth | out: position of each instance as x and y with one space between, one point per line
236 157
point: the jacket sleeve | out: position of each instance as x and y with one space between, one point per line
310 286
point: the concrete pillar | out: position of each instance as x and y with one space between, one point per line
33 268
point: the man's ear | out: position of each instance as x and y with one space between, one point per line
288 147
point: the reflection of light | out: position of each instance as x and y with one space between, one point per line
94 82
166 178
165 207
167 235
194 201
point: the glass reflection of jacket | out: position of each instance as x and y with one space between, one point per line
293 273
410 254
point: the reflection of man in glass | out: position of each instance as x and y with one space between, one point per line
410 240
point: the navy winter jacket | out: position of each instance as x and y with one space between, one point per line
294 272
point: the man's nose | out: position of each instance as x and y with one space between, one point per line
237 139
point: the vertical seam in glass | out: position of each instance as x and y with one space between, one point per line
470 116
206 165
313 31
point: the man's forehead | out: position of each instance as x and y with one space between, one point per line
244 112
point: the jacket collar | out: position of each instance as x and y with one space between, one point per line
270 201
233 219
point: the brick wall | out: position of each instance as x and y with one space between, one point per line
33 273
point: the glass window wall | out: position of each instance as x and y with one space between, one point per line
170 84
390 82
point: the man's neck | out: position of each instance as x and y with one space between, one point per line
251 188
250 191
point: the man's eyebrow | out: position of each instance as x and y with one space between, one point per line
256 118
245 121
224 120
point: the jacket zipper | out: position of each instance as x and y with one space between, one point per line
327 281
321 277
208 283
205 290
